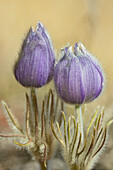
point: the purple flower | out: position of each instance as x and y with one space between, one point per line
35 65
78 76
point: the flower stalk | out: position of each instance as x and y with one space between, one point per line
79 116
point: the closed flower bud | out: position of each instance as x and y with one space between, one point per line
35 65
78 76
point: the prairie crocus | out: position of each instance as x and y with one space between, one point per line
78 76
35 65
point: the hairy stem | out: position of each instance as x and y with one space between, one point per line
79 116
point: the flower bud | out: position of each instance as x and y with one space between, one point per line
78 76
35 65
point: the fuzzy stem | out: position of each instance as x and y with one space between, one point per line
35 110
81 123
80 120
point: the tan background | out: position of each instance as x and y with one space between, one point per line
88 21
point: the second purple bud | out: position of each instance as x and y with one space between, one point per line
78 76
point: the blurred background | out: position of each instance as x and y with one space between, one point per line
88 21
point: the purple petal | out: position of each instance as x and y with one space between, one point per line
76 89
91 79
